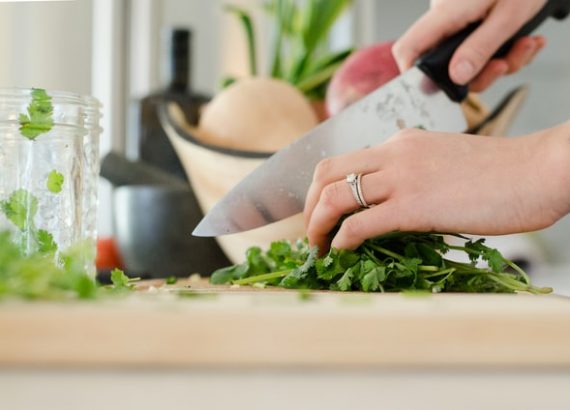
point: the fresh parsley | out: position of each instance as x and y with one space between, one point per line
395 262
41 275
45 275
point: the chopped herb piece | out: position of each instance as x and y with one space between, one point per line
120 281
171 280
305 295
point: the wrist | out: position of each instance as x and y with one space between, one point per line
554 165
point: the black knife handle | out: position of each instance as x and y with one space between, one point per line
435 63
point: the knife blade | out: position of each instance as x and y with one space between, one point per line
277 188
422 96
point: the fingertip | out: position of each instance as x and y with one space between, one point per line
342 244
462 71
499 66
352 231
526 42
540 42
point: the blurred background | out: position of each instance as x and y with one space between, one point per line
117 51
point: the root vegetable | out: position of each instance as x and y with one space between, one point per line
363 72
257 114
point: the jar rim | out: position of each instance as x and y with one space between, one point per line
58 97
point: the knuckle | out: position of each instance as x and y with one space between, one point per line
398 50
406 133
478 53
323 169
330 196
312 231
396 47
352 227
508 20
404 143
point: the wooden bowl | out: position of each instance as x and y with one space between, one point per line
213 171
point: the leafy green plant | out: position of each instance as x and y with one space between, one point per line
37 276
299 55
393 262
44 275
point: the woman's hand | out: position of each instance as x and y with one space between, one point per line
427 181
472 61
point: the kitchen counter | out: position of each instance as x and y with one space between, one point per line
261 340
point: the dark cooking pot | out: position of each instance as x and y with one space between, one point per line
153 225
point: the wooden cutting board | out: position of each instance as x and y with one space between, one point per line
247 327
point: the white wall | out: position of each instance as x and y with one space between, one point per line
219 46
46 45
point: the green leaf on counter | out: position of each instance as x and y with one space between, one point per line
171 280
120 281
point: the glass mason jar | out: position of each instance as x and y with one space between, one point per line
49 165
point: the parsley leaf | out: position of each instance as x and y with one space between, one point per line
20 208
228 274
374 276
39 118
55 182
45 241
345 280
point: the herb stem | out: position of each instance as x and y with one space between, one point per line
386 252
518 270
425 268
439 273
262 278
428 268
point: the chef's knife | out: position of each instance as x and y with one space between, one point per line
423 96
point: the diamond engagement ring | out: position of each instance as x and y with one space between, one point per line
353 181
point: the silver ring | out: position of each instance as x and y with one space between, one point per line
354 181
